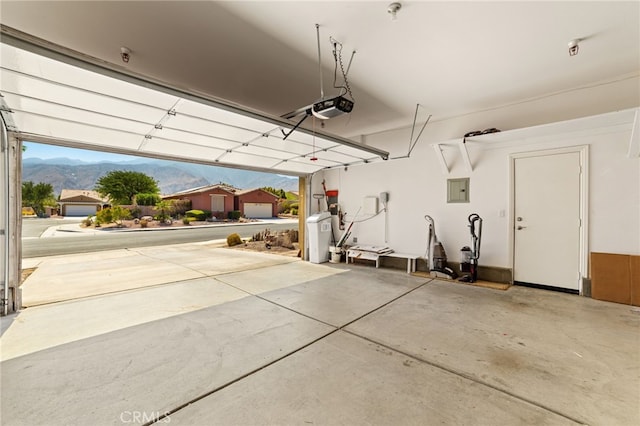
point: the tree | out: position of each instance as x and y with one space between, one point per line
37 196
164 209
121 186
277 192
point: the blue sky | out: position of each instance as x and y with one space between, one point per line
36 150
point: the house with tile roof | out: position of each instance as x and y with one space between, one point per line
220 199
80 202
256 203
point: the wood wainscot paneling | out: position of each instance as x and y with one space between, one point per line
635 280
615 278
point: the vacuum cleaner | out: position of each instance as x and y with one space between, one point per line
436 255
469 255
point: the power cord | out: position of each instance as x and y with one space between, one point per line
368 218
337 57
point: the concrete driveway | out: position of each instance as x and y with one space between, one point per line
68 277
201 335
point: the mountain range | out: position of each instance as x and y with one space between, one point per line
172 176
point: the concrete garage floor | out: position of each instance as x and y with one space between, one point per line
298 343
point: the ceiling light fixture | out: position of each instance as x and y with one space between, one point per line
573 46
393 9
125 54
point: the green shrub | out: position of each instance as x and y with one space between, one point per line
104 216
181 206
186 220
120 214
147 199
287 206
115 214
234 215
234 240
284 207
294 212
88 221
196 214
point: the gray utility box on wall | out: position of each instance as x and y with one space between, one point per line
458 190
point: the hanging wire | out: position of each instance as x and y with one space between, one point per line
337 58
413 144
383 210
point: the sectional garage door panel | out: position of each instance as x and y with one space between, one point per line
80 210
73 103
258 210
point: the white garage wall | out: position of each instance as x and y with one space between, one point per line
615 191
417 186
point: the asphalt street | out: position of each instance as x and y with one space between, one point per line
33 227
34 246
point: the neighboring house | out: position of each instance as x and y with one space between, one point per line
80 202
218 198
256 203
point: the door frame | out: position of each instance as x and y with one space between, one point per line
583 150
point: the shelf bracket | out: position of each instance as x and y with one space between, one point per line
465 155
440 157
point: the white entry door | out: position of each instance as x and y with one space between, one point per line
547 220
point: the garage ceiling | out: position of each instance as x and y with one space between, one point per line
452 58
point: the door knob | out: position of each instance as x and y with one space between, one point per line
520 227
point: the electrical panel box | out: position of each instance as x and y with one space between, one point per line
370 205
458 190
